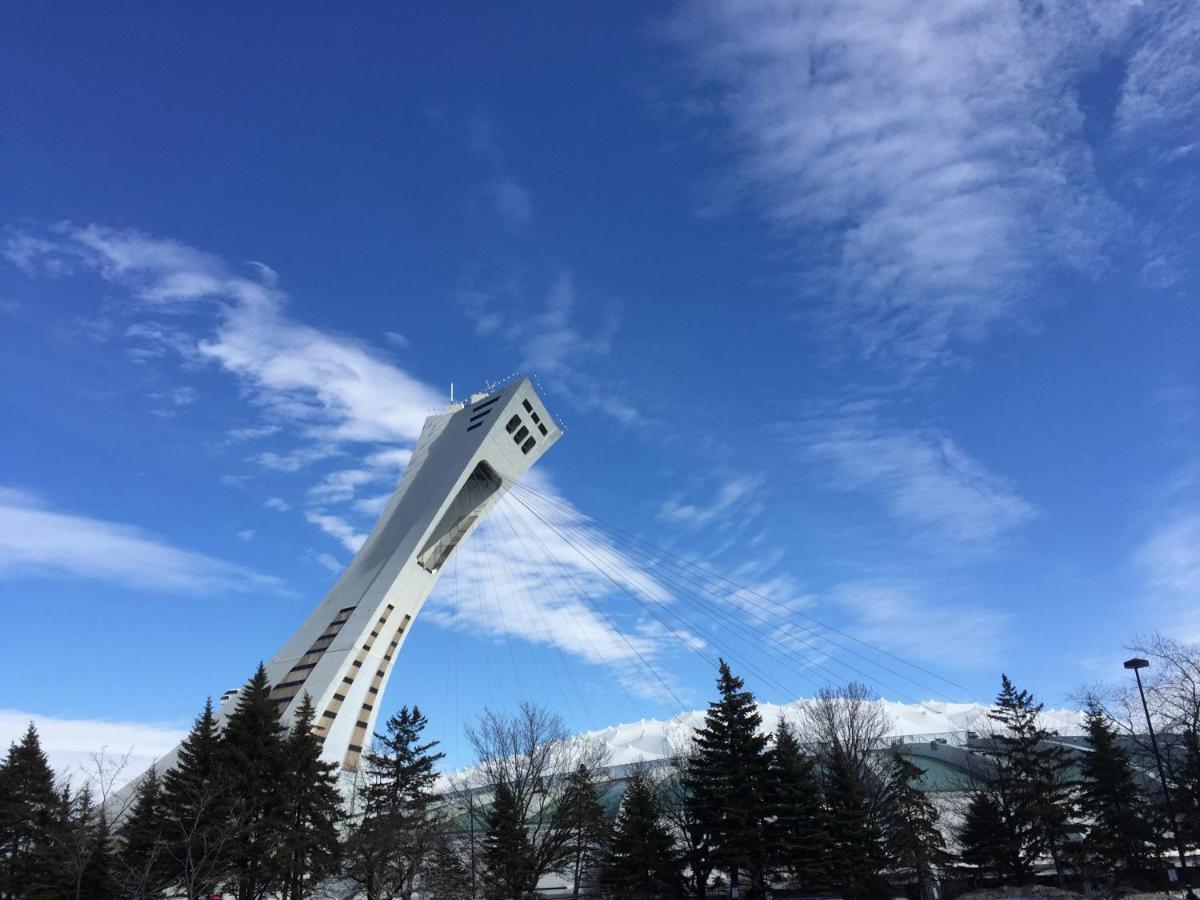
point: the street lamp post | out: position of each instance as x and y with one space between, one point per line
1137 664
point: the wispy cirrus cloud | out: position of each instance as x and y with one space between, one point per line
513 201
1168 556
539 572
333 388
922 477
326 396
930 155
36 539
736 494
902 617
1160 96
556 336
1171 556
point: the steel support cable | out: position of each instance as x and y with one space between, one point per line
491 665
709 575
599 610
815 665
658 554
651 607
450 655
740 630
593 604
491 580
526 532
500 513
754 639
511 599
719 609
454 657
568 607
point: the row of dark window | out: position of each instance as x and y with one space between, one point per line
520 432
480 412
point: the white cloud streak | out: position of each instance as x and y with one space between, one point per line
736 494
549 579
37 540
1160 98
1170 560
899 617
336 391
923 478
937 145
335 387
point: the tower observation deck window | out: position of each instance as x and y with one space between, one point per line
528 445
521 434
513 424
463 511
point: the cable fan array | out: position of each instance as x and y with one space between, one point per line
583 564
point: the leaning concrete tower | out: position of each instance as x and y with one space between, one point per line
342 656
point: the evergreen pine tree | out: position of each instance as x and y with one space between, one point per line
28 811
311 808
796 834
251 752
196 810
726 779
395 836
98 878
81 853
142 867
1185 791
1030 781
1119 831
445 875
857 853
914 843
507 851
400 768
983 835
585 821
642 860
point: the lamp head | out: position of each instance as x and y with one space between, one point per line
1137 663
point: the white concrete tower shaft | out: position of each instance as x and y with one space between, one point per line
342 656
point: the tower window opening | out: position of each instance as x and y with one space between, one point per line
542 429
521 434
485 404
528 445
512 424
464 510
536 418
528 406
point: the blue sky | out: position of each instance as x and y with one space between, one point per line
887 310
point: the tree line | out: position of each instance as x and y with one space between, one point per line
820 806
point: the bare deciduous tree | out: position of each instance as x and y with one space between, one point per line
1172 685
533 754
849 719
